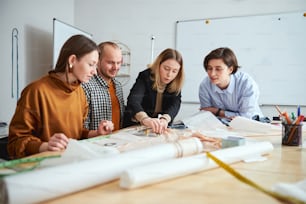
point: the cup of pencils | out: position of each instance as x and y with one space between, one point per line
291 127
292 134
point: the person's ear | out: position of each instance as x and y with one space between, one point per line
71 60
231 69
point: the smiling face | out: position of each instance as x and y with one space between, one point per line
219 73
110 62
85 67
168 70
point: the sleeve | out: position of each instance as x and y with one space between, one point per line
204 94
136 95
24 124
248 96
248 100
174 106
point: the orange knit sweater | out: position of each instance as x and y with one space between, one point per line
46 106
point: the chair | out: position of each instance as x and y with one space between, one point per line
3 148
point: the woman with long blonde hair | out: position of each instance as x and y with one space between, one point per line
155 98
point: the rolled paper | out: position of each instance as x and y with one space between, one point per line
160 171
47 183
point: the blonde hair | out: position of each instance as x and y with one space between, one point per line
176 85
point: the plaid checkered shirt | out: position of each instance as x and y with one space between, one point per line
99 100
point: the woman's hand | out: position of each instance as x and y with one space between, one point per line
105 127
157 125
58 142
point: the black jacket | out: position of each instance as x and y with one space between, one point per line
143 98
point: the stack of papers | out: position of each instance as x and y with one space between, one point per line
208 124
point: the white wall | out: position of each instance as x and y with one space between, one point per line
33 19
132 22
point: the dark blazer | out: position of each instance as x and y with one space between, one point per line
143 98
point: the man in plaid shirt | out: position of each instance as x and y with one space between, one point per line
104 93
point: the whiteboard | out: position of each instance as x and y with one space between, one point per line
271 48
61 32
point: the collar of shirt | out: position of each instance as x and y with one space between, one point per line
101 80
104 83
64 85
229 89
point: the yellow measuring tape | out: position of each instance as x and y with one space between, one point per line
23 164
286 199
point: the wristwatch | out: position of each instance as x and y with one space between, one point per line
218 112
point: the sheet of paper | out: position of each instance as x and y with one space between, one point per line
204 120
296 190
242 124
79 150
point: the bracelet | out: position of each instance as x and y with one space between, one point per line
218 112
163 118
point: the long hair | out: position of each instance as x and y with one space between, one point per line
78 45
176 85
224 53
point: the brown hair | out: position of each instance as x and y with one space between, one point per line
224 53
78 45
177 83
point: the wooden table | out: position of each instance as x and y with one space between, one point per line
284 164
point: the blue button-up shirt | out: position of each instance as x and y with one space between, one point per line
240 98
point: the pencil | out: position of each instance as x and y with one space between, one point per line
296 124
278 110
285 114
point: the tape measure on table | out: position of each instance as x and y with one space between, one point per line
286 199
15 164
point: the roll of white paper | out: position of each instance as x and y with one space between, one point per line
164 170
52 182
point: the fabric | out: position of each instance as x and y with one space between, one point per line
46 106
143 98
99 100
68 178
239 99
